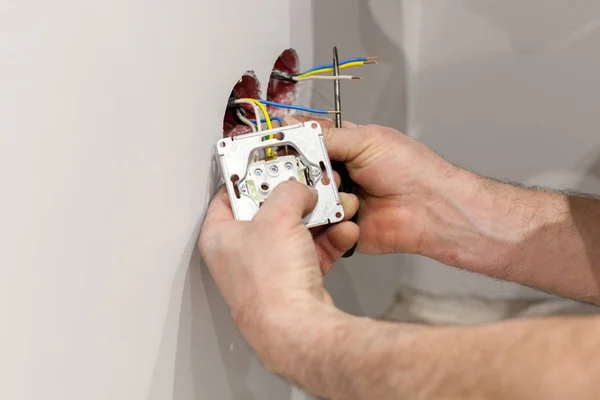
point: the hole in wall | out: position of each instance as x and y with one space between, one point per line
279 90
283 91
247 86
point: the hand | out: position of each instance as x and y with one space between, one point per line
273 264
406 190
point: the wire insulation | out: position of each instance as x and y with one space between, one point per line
245 120
267 120
325 70
299 108
259 103
262 121
346 61
254 107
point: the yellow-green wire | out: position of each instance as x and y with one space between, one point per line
325 70
267 120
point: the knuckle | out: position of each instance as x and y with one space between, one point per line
377 131
371 128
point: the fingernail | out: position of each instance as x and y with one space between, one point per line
289 120
350 196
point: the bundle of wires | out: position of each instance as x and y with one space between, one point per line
313 73
258 106
318 71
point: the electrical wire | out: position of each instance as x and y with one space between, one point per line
255 107
245 120
299 108
267 120
262 121
325 70
259 103
346 61
328 78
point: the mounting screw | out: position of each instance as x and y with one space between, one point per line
258 172
273 169
315 171
288 166
243 187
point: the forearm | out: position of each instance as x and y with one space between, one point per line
539 238
345 357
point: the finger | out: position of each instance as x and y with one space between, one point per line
324 122
219 209
334 242
350 204
289 202
346 144
338 180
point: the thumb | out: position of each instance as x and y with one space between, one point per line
346 144
288 204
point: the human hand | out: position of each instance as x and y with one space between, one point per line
273 264
406 191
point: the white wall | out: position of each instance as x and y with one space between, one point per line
108 115
509 89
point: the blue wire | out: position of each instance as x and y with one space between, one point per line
291 107
264 121
349 60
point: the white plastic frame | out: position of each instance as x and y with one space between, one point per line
307 138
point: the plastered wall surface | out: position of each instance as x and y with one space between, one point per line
108 112
508 89
108 116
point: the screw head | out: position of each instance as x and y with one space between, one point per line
258 172
273 169
288 166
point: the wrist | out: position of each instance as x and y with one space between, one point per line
283 333
299 336
496 221
331 354
337 355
